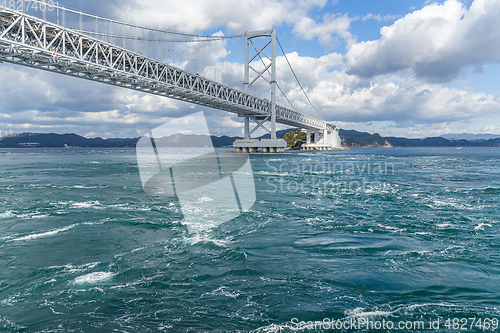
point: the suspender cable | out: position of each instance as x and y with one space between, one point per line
296 78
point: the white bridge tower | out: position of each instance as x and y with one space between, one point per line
325 137
273 144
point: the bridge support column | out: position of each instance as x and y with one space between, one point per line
270 70
326 139
273 84
246 133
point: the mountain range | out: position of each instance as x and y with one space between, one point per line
350 138
467 136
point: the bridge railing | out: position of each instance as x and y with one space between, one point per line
33 42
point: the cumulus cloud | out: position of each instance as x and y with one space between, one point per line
326 31
198 15
34 100
436 43
192 16
405 101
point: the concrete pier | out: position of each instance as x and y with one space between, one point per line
262 145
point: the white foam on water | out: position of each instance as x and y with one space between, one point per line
205 199
72 269
10 324
452 203
94 278
444 225
391 228
6 214
406 310
86 204
44 234
84 187
361 313
414 307
221 291
39 216
482 225
29 216
273 328
11 301
200 236
164 327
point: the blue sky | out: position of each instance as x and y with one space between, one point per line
401 68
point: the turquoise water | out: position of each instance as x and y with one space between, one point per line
367 234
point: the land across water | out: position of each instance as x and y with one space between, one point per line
350 138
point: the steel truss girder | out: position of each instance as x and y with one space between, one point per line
29 41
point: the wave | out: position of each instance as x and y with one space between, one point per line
69 268
44 234
6 214
94 278
405 312
86 204
481 226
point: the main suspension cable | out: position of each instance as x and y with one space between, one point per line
216 38
66 9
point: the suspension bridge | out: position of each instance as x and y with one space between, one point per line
36 42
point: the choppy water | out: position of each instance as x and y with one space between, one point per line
380 234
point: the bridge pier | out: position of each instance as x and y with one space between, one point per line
260 145
328 139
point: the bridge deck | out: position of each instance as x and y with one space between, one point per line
29 41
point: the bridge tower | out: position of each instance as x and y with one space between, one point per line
253 75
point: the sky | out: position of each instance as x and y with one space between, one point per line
410 68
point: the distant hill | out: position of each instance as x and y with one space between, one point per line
350 138
52 140
191 140
441 142
373 141
353 134
279 134
467 136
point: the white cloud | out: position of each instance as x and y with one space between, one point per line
326 31
436 43
197 15
193 16
403 100
379 18
34 100
204 54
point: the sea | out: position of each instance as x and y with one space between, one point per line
362 240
